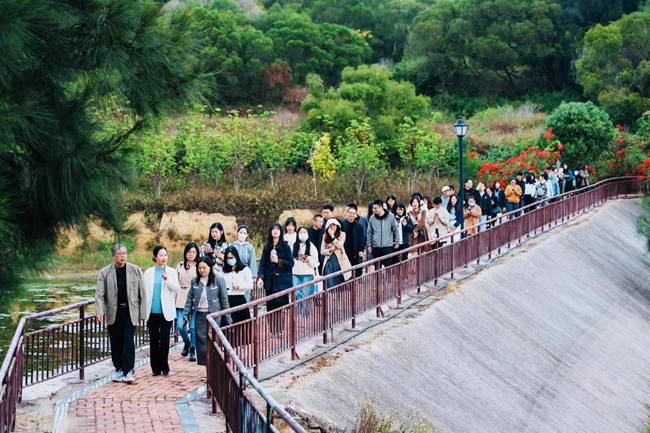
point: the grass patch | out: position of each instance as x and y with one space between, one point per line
88 259
372 420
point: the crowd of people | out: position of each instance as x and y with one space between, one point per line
219 275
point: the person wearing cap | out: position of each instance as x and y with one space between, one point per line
160 283
382 237
333 249
446 193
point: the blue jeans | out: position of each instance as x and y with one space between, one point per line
513 206
482 219
304 292
181 329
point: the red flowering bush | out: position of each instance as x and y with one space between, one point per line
532 159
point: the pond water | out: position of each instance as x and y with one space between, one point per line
42 294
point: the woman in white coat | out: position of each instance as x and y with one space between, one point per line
161 283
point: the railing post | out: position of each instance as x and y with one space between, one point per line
354 301
325 311
294 327
452 256
256 340
82 342
269 418
400 282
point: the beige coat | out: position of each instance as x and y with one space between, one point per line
185 277
472 218
337 248
106 294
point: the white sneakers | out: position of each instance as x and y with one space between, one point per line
120 377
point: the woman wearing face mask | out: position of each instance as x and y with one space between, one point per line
290 226
405 231
239 280
161 283
246 253
186 273
305 256
472 213
274 274
215 246
333 248
208 295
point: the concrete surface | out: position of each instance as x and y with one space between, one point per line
556 338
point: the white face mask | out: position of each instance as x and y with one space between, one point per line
303 237
242 237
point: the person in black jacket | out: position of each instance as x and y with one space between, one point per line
355 237
406 228
469 191
498 200
316 232
485 202
275 273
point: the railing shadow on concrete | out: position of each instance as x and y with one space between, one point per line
270 333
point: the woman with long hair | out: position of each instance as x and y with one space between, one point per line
390 203
186 273
418 217
455 216
405 229
246 252
290 226
333 248
305 256
274 273
215 246
161 283
530 192
239 280
208 295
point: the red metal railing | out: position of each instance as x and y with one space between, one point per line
268 334
39 355
231 386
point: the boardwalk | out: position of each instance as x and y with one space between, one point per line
146 406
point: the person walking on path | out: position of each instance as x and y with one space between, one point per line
275 274
208 295
484 201
215 246
355 237
246 252
316 233
186 273
161 283
120 299
418 217
513 195
333 248
437 222
382 237
404 230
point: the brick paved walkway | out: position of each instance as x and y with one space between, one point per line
146 406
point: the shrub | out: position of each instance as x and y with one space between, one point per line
583 129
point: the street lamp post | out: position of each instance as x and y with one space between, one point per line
461 131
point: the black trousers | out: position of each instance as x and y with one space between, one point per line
121 335
355 261
277 322
381 252
159 329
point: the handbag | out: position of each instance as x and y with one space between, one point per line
421 233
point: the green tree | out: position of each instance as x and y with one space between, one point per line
584 129
360 155
614 69
483 47
60 59
367 91
323 164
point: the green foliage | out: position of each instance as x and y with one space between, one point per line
643 126
360 155
615 67
483 47
60 60
371 420
420 150
584 129
364 91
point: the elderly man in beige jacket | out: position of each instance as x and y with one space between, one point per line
120 297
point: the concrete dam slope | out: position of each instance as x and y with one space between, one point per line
553 338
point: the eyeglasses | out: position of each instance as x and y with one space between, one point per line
121 254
